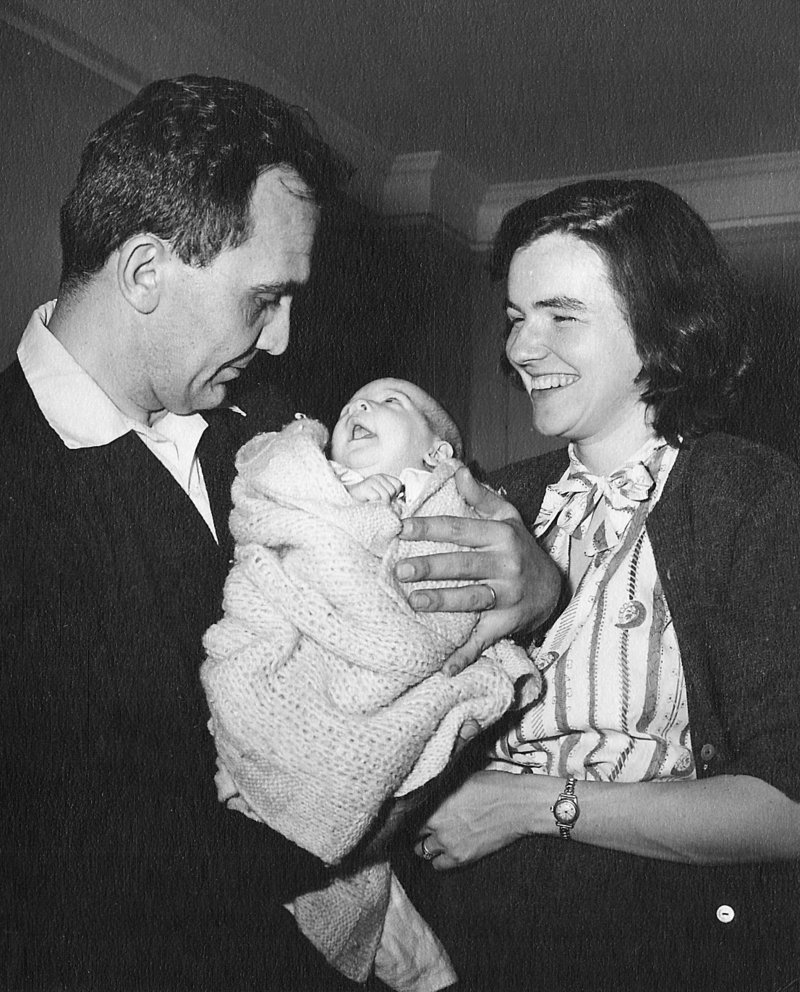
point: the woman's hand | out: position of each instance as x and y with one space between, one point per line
376 845
518 584
487 812
719 820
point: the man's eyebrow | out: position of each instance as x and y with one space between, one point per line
282 288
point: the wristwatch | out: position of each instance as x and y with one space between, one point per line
566 810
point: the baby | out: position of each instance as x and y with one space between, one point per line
325 687
389 438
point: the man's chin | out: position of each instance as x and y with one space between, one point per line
211 396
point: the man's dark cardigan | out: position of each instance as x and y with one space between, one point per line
545 913
121 870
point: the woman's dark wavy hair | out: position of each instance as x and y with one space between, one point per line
686 309
180 161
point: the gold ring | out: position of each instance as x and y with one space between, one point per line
426 854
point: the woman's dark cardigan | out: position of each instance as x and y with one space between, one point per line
542 913
726 540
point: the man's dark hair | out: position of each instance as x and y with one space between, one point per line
180 161
683 302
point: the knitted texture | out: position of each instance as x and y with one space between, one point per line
325 687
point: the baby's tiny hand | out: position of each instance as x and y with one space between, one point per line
376 488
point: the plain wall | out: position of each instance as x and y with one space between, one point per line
49 106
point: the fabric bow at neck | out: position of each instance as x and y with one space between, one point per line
571 502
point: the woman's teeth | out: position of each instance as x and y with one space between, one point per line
553 381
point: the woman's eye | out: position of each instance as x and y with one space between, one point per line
563 318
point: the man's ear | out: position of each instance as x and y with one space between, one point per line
438 451
139 264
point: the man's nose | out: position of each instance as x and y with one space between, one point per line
274 337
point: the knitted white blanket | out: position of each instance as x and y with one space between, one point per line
324 685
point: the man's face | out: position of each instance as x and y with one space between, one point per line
382 429
212 320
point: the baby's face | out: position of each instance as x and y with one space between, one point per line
381 429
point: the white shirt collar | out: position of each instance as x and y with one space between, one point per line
74 405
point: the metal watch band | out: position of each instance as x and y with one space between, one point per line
568 794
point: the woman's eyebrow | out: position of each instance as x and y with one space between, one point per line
561 303
558 302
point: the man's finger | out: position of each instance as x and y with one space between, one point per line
469 651
489 629
460 599
483 500
468 733
464 531
442 565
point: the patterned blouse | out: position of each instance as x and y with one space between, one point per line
613 705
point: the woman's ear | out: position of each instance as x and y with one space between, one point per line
438 451
139 264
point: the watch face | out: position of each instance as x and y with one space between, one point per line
565 811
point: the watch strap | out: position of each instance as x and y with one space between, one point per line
568 792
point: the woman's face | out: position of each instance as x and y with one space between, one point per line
573 349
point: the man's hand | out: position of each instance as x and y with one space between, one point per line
518 584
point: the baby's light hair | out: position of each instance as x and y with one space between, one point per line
441 424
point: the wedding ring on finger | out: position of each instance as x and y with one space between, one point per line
493 603
426 854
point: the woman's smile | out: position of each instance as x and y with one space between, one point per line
551 380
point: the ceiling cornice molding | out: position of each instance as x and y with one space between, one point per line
752 191
131 42
433 183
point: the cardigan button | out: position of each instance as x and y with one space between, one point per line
707 753
725 914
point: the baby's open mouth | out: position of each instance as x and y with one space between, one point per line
359 432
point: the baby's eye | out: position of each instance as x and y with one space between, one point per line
391 399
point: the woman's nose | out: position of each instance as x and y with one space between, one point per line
528 341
